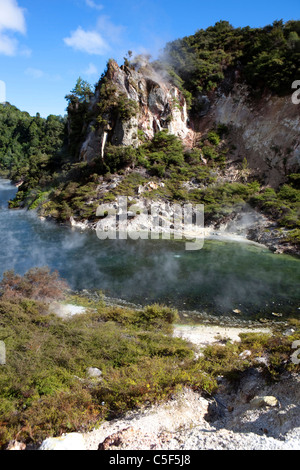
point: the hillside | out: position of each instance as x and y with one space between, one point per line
211 122
72 372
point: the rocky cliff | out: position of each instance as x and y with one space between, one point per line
264 131
158 105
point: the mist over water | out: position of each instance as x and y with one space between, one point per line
219 278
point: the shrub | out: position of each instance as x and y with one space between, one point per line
127 108
37 283
158 317
213 138
117 157
283 205
209 152
158 170
294 236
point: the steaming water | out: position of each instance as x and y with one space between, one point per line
219 278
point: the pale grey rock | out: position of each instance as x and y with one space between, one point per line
94 372
72 441
161 105
259 402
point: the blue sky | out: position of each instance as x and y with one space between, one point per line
45 45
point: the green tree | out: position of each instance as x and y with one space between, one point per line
82 92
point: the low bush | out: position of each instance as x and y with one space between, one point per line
282 205
37 284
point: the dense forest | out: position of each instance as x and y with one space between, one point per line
28 143
267 58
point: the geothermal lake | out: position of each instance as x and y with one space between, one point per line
219 278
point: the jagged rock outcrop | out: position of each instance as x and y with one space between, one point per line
159 105
263 131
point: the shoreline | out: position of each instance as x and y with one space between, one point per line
245 226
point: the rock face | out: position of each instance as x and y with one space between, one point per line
264 131
160 105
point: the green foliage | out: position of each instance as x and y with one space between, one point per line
81 93
221 200
39 199
127 108
29 144
162 153
130 184
117 157
113 103
228 359
283 205
158 317
195 64
78 116
213 138
294 180
294 237
45 389
209 152
266 57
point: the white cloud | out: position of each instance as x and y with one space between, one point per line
34 73
8 45
91 70
37 74
112 32
94 5
25 51
98 40
91 42
12 16
12 20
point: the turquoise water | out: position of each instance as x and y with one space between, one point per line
219 278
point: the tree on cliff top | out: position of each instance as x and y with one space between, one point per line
81 93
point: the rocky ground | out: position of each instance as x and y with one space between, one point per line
252 416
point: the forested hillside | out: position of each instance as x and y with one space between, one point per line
28 143
266 58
